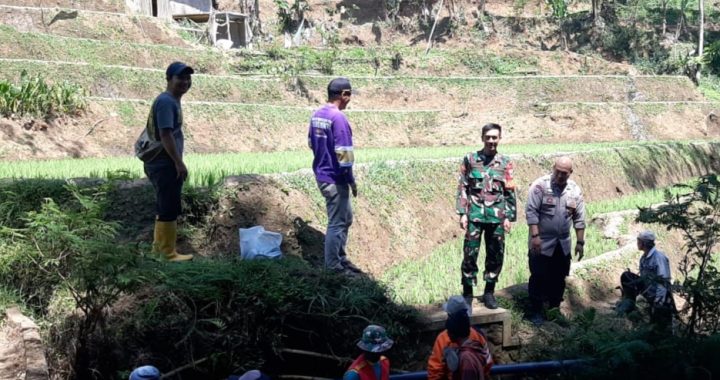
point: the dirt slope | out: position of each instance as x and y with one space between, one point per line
90 25
94 5
408 216
110 128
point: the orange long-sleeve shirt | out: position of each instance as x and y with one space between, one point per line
436 369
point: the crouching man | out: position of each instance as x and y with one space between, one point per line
653 282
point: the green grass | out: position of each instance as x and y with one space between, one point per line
363 61
436 277
47 47
10 298
419 92
137 83
207 168
710 87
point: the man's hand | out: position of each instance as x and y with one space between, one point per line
580 250
535 245
463 221
353 188
181 169
507 225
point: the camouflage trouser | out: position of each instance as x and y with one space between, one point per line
494 253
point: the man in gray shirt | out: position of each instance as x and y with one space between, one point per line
555 204
653 283
167 171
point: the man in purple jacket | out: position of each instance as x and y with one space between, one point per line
330 139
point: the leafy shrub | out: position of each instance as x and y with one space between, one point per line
99 296
66 245
695 214
290 14
69 248
559 8
493 64
710 87
632 43
36 98
711 57
17 197
240 314
616 348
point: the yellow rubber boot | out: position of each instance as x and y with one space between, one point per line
165 239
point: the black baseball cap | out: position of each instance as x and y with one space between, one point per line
458 325
177 68
338 85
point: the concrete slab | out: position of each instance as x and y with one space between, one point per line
435 320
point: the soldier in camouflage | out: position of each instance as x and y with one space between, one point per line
486 204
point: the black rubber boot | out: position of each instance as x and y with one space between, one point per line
536 313
468 295
489 296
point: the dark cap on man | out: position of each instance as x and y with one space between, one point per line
337 86
458 325
178 68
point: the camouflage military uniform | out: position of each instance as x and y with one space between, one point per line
486 194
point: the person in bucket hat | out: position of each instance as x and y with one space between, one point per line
146 372
371 364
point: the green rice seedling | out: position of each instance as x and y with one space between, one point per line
437 276
33 96
224 164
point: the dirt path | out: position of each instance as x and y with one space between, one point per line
22 355
12 354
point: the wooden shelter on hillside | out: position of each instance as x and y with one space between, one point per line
227 29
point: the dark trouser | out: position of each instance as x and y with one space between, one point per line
168 188
547 278
340 218
494 254
633 286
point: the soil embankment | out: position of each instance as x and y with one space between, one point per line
405 209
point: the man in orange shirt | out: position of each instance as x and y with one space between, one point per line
444 359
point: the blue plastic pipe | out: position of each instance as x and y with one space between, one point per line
503 369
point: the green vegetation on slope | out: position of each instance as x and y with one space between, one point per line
48 47
34 97
710 87
67 265
436 277
111 81
206 169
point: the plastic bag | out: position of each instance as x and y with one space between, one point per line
256 243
